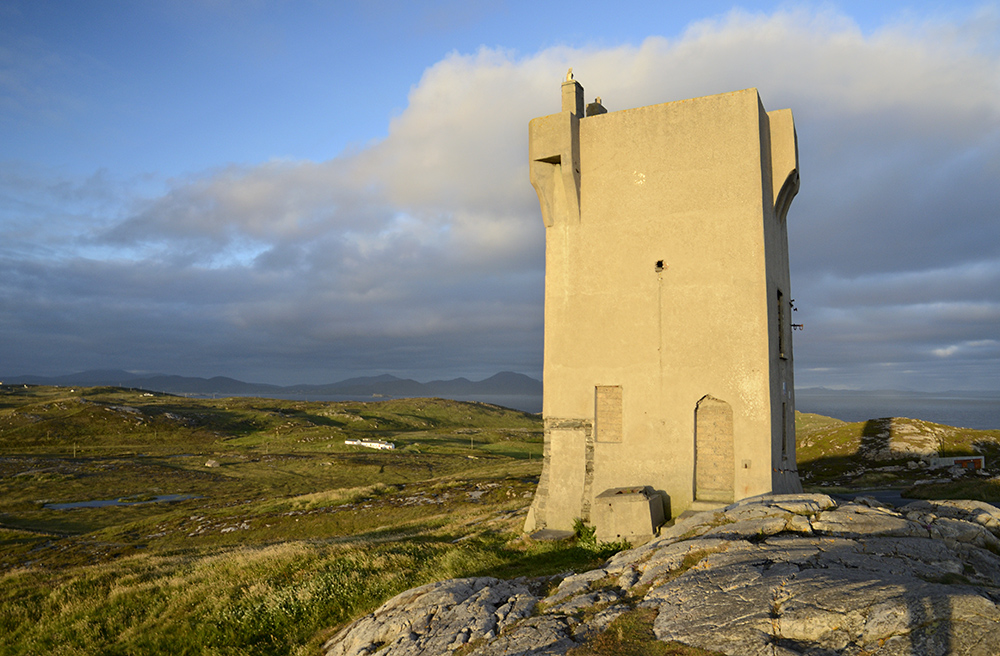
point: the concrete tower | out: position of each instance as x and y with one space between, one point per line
668 347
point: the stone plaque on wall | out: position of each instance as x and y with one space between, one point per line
608 413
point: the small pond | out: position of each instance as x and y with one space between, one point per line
121 501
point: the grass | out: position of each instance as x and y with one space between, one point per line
269 600
631 634
58 446
979 490
586 537
292 535
286 595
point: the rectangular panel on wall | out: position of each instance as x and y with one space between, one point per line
608 413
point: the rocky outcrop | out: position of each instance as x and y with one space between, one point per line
895 438
791 575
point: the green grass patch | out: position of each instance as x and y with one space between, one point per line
586 538
631 634
291 535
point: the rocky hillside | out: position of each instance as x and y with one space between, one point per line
780 575
892 451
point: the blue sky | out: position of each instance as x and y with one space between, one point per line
305 191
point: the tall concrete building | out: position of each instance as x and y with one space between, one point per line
668 347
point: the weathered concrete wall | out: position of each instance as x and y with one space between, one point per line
666 256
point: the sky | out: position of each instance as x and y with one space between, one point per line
296 191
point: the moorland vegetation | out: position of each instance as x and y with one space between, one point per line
247 525
278 532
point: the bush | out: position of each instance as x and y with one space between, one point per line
586 538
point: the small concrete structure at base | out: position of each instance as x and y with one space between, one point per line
627 513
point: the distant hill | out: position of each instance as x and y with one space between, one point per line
152 382
505 383
884 452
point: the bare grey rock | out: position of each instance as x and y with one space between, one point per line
978 512
671 557
871 502
437 618
760 526
547 635
791 575
899 438
855 521
800 504
574 584
585 601
963 531
979 565
603 619
799 524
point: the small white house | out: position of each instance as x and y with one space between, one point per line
371 444
965 462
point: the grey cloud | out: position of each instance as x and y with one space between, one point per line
424 252
969 281
276 200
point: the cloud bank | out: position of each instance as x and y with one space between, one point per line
423 254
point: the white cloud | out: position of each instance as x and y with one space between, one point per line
435 230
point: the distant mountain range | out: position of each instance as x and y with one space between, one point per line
505 383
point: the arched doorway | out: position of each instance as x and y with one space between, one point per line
714 468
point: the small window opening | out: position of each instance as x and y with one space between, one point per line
782 326
659 266
784 431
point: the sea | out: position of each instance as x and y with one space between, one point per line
961 409
964 410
